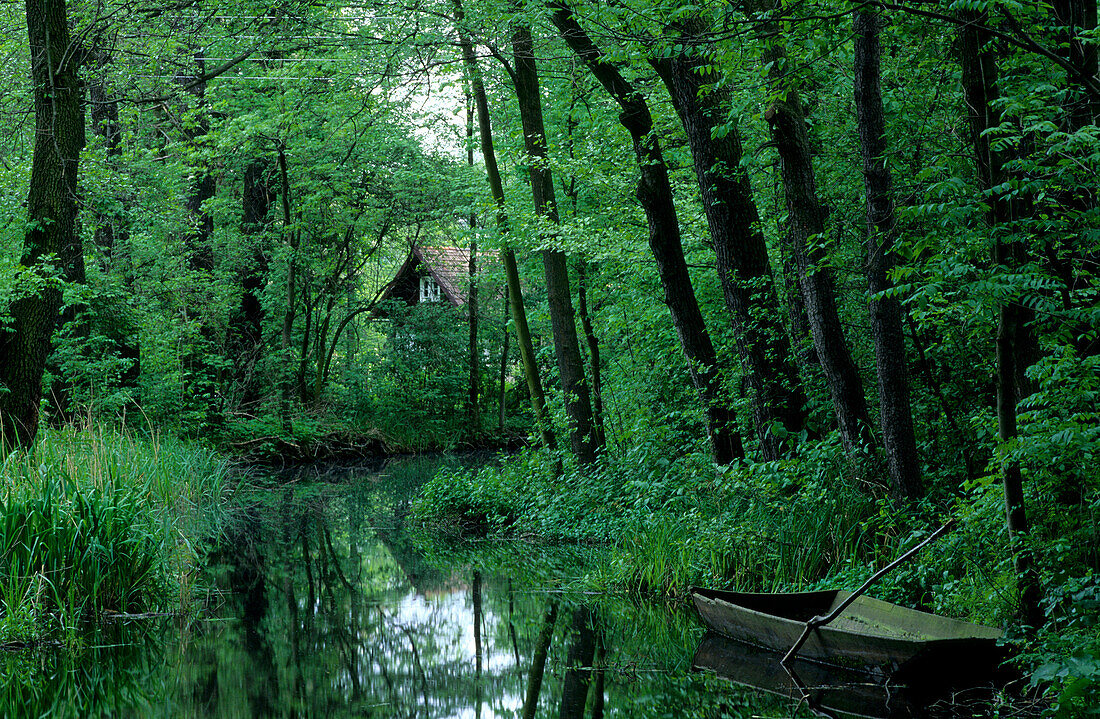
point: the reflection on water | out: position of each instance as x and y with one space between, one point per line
829 690
322 606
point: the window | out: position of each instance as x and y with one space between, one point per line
429 289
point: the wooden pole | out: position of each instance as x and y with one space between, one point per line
821 621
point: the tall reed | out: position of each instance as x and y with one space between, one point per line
99 520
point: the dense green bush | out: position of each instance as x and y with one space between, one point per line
415 387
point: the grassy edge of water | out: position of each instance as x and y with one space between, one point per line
669 524
96 520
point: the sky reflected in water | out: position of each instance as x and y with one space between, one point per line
320 604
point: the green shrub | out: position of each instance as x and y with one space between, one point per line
671 518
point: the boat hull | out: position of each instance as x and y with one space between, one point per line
823 687
870 635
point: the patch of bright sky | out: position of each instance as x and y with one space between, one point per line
438 113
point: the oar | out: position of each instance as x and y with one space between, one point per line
821 621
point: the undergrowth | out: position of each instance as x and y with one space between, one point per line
670 517
96 520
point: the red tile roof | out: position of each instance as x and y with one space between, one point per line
448 266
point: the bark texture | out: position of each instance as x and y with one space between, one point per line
51 214
895 411
806 224
744 269
655 195
563 323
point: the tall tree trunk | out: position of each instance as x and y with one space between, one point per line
895 412
200 253
801 336
578 404
655 195
293 238
1073 19
51 220
474 409
744 269
1069 258
303 352
979 81
592 342
593 351
246 344
504 366
508 257
103 108
806 224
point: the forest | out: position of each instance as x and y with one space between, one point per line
751 295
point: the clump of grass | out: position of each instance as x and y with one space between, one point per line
97 520
746 533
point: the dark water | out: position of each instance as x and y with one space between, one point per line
320 604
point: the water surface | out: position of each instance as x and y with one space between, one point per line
319 603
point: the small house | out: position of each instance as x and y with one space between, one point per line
432 274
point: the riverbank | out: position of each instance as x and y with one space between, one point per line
312 439
98 521
672 520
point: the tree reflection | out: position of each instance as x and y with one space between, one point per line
578 667
538 661
321 605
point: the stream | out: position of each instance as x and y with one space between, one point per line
318 603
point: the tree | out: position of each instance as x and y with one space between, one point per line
474 408
246 343
979 80
1074 19
51 243
895 414
806 224
583 434
744 269
508 257
655 195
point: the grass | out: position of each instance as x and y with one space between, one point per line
96 520
667 523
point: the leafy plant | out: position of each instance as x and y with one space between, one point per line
100 521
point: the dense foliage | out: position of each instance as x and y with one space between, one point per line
794 283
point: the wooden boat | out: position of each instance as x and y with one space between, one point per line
870 634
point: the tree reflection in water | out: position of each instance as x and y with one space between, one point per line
322 606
